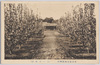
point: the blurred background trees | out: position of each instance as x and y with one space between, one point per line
48 20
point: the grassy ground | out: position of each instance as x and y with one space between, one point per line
52 46
74 49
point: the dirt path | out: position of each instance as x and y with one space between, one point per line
50 49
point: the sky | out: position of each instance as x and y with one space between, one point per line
51 9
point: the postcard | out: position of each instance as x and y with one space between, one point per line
56 32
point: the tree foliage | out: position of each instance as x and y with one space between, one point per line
20 25
81 26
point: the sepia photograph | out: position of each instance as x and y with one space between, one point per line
49 31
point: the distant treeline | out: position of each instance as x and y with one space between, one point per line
49 20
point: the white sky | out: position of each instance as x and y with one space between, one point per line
51 9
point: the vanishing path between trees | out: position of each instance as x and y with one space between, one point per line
51 49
